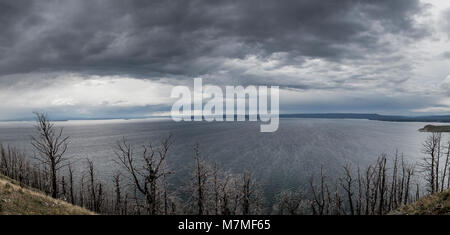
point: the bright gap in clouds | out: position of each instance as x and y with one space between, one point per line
84 96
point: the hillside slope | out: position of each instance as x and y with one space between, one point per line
17 200
436 204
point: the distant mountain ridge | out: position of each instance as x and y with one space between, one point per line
369 116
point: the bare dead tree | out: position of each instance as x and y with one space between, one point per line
63 188
382 179
291 202
444 174
429 165
96 189
393 195
359 202
417 191
251 202
199 182
71 184
371 192
338 201
226 192
170 200
368 185
409 169
51 146
347 184
438 161
117 190
146 179
81 192
318 203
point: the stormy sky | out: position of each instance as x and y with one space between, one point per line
115 58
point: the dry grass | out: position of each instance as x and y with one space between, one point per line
17 200
436 204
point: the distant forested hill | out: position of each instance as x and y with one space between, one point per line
378 117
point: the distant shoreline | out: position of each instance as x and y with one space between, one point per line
365 116
432 128
374 117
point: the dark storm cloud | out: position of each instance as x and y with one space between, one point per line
193 38
369 103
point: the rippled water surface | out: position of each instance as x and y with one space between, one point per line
280 160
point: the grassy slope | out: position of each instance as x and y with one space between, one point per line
16 200
436 204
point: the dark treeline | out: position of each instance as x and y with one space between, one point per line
140 186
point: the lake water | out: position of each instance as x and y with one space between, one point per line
280 160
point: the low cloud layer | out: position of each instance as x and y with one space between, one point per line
383 56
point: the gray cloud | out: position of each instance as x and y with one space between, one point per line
191 38
446 55
369 103
358 49
446 21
